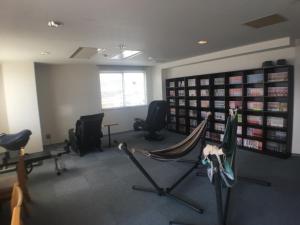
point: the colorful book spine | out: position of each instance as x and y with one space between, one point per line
191 82
172 84
181 83
277 106
181 102
204 82
255 78
235 92
255 106
255 120
235 104
204 104
181 93
220 104
204 92
280 76
219 81
255 92
278 91
192 113
193 103
219 116
236 80
254 132
276 122
219 92
254 144
192 93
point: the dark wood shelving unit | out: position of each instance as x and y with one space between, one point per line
251 91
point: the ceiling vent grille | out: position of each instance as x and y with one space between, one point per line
266 21
84 53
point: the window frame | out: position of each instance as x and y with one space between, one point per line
123 92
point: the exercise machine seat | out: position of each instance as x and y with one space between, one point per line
87 134
15 142
155 121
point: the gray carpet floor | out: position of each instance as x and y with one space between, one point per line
96 190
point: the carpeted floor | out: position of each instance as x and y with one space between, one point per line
96 190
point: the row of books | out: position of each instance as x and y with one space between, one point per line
278 122
255 78
255 106
219 104
235 104
254 144
276 147
219 92
236 80
254 132
278 91
255 92
279 76
277 106
204 103
235 92
219 81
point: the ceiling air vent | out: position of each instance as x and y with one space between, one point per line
266 21
84 53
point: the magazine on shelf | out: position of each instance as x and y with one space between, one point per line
220 104
193 123
255 92
255 120
239 141
181 102
276 147
239 130
192 113
204 92
219 92
255 78
254 144
181 93
193 103
204 104
172 84
172 93
279 76
219 127
277 106
192 82
255 106
254 132
204 114
219 81
236 80
277 135
192 93
181 112
204 82
235 92
240 118
219 116
235 104
181 83
278 91
172 111
276 122
172 102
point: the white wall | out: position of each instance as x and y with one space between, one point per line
296 125
66 92
20 97
3 116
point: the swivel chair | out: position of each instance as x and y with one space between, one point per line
155 121
87 134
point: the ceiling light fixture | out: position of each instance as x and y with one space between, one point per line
54 24
202 42
45 53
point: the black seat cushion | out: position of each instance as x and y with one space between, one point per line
16 141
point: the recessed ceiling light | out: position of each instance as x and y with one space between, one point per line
45 53
202 42
127 54
54 24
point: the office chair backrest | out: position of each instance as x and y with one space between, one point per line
88 129
156 118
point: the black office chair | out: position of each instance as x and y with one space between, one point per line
155 121
87 135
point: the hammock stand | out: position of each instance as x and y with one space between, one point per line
172 153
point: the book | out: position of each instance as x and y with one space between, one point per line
253 144
172 93
255 120
181 93
172 111
255 78
255 106
235 104
192 82
204 92
279 76
278 91
254 132
235 92
172 84
204 114
181 112
277 106
204 103
171 102
219 81
181 102
204 82
219 92
180 84
239 130
193 103
192 93
193 123
192 113
236 80
219 116
219 127
219 104
240 118
239 141
276 122
255 92
277 135
276 147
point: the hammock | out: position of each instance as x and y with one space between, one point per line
171 153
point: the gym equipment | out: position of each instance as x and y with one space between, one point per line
155 121
17 142
87 135
172 153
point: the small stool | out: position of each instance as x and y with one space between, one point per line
108 130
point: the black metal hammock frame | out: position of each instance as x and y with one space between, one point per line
174 152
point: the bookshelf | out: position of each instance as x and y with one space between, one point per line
263 96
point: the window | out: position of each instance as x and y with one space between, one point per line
122 89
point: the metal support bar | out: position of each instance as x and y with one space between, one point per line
182 178
186 203
145 189
178 223
218 190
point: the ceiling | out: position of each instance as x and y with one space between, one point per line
165 30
